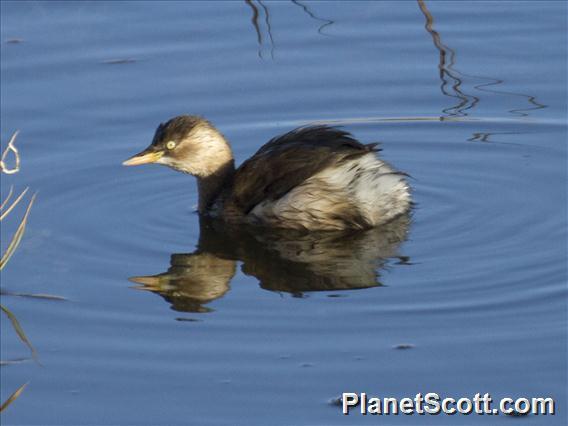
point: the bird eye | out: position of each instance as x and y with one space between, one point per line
171 145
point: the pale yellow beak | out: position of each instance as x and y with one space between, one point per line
144 157
148 282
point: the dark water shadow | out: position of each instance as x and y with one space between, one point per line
450 82
256 23
452 79
311 14
522 112
285 261
485 136
265 37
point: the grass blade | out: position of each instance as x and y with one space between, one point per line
20 331
17 236
7 198
13 397
11 148
33 295
16 201
12 361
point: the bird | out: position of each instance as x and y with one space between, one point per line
314 178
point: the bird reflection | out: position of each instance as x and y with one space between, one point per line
293 262
191 281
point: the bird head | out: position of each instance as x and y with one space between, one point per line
187 143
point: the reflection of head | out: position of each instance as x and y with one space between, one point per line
191 281
286 261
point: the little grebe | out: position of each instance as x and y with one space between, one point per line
314 177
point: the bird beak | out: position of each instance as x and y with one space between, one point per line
148 282
145 157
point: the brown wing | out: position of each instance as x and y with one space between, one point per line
288 160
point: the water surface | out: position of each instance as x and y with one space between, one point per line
236 328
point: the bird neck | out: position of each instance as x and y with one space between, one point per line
211 186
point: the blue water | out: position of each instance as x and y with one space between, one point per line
469 98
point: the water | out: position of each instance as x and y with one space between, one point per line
469 98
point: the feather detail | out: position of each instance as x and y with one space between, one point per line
288 160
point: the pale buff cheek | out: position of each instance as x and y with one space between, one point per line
201 154
198 162
170 162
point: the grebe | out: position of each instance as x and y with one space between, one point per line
314 177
